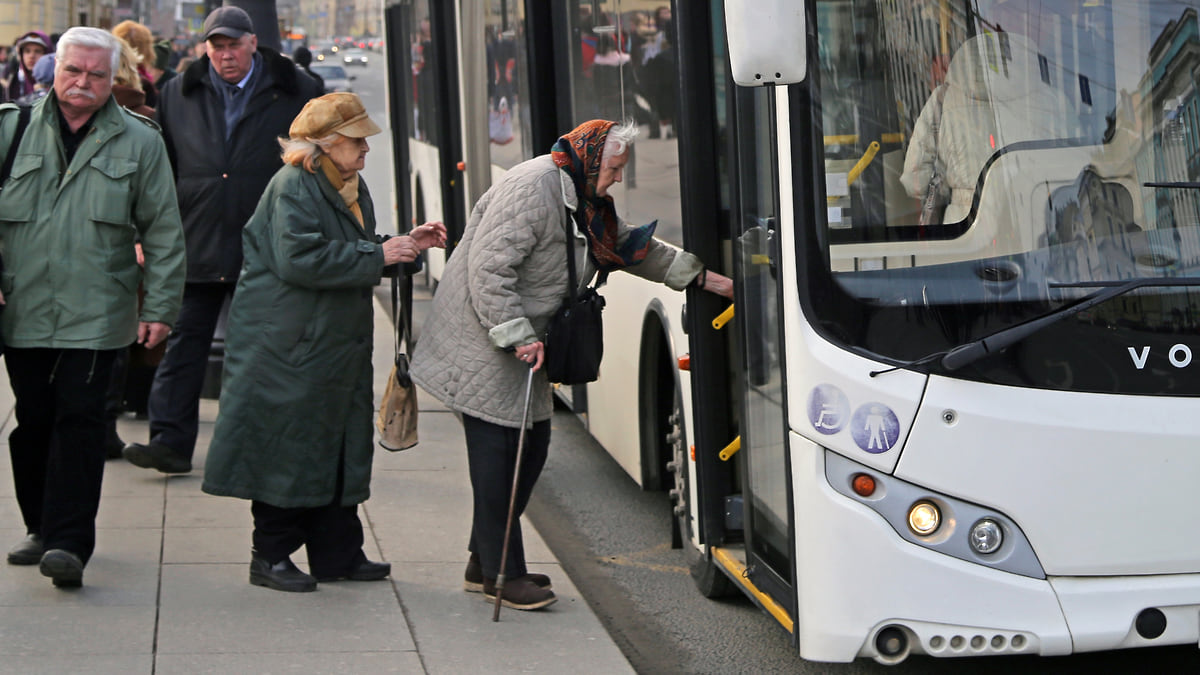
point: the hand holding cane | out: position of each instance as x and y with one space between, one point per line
512 499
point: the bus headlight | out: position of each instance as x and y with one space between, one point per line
986 536
924 518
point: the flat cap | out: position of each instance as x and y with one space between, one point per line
229 21
340 112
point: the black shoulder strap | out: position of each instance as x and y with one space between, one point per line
22 121
572 279
402 291
601 276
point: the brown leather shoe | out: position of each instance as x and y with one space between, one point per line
519 593
473 577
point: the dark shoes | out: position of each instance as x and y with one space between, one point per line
473 577
157 456
366 570
282 576
64 568
519 593
28 552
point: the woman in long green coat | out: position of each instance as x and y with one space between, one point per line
294 431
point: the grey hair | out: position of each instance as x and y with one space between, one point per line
306 150
620 137
90 38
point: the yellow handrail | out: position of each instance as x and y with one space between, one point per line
731 449
723 318
872 150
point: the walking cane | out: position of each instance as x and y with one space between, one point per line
512 499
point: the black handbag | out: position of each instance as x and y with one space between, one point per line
575 336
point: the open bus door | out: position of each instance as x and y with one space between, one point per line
426 110
766 503
766 487
741 461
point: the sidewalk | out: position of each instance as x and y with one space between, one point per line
166 590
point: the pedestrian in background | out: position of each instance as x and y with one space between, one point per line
220 120
303 59
141 40
128 83
128 90
70 289
161 70
43 76
294 433
506 278
19 72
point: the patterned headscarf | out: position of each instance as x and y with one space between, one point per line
579 153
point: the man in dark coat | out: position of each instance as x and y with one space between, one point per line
220 121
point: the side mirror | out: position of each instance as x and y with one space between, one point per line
767 41
351 77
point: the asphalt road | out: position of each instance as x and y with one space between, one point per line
614 540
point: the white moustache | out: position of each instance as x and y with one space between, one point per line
79 92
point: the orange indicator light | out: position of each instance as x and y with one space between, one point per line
685 362
863 485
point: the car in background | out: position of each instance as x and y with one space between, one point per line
353 57
334 75
324 51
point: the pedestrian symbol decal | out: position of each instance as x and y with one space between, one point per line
875 428
828 409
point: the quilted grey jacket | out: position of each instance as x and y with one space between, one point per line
501 286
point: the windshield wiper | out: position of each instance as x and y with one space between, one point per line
970 352
1182 185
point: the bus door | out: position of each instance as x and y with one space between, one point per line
766 492
426 110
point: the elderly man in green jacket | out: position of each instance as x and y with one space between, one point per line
88 180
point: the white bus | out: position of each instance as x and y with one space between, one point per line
955 410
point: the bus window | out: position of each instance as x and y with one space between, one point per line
424 76
1056 139
508 92
623 68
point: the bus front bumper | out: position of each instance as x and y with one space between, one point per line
863 591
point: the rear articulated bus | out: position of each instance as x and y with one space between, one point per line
955 411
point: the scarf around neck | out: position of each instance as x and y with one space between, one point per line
579 154
346 189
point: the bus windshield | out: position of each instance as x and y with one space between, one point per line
990 161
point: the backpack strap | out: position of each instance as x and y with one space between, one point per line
23 116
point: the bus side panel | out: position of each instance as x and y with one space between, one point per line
855 575
613 399
425 180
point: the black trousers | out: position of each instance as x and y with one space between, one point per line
174 405
492 456
332 534
57 447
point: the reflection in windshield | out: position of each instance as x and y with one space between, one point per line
999 109
987 161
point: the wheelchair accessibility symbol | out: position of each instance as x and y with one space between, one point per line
828 409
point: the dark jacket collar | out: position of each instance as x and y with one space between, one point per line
281 70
